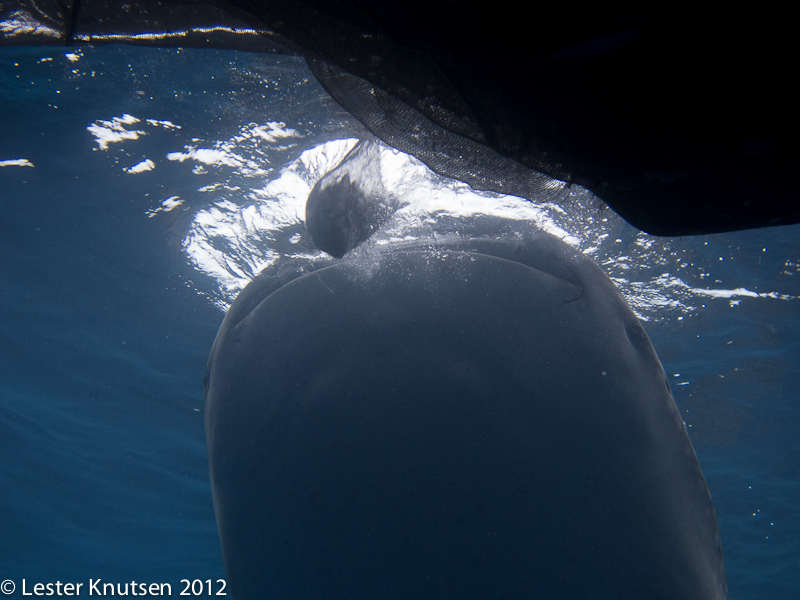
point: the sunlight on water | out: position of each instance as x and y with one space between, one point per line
254 212
244 231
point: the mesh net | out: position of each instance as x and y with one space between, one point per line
683 124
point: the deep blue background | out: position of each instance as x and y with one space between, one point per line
103 341
104 469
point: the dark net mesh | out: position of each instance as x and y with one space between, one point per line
441 148
173 23
683 123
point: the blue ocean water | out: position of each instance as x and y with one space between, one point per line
140 189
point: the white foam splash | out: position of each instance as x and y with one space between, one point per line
145 165
16 162
110 132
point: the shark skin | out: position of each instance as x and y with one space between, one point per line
474 419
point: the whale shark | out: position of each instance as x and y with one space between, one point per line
453 419
349 203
